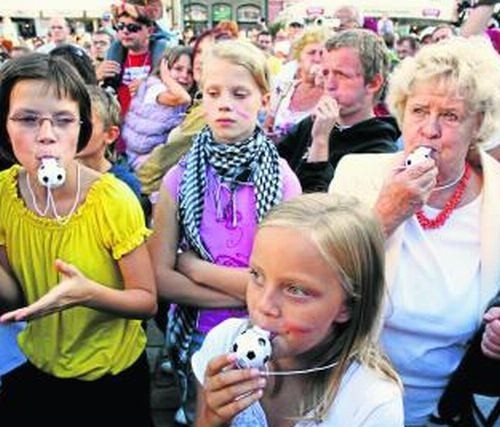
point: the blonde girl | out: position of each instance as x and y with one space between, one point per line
316 283
210 204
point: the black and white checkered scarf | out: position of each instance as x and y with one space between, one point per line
253 160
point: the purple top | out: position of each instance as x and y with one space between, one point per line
230 244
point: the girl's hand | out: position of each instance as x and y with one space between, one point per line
74 289
228 391
490 343
164 71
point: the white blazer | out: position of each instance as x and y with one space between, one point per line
362 176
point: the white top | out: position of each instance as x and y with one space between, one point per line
284 118
282 88
433 307
11 355
364 398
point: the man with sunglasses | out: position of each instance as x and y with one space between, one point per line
131 57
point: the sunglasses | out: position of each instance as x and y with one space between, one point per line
131 27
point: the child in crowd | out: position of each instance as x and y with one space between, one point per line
74 245
159 105
210 204
316 283
98 153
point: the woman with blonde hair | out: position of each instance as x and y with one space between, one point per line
298 87
440 214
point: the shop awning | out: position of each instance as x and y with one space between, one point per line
439 10
49 8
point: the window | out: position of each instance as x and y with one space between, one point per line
249 13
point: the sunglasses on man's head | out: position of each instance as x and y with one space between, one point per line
131 27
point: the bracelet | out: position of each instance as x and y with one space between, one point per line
478 3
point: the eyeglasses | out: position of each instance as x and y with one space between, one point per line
33 122
131 27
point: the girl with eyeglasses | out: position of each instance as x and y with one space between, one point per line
72 242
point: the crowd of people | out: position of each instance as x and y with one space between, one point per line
227 182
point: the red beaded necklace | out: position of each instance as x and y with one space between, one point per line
449 207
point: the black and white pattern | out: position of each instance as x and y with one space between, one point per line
254 160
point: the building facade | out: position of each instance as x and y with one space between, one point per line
203 14
274 8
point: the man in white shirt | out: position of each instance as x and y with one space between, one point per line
60 32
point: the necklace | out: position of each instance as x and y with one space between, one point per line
50 202
449 207
267 372
452 183
33 198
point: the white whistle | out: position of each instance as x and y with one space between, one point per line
252 348
418 155
50 173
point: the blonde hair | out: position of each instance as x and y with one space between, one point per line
309 36
105 105
243 53
350 239
470 67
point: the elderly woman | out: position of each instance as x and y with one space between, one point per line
441 216
297 88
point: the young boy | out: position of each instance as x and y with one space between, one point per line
105 131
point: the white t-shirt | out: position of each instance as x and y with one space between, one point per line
434 306
364 398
